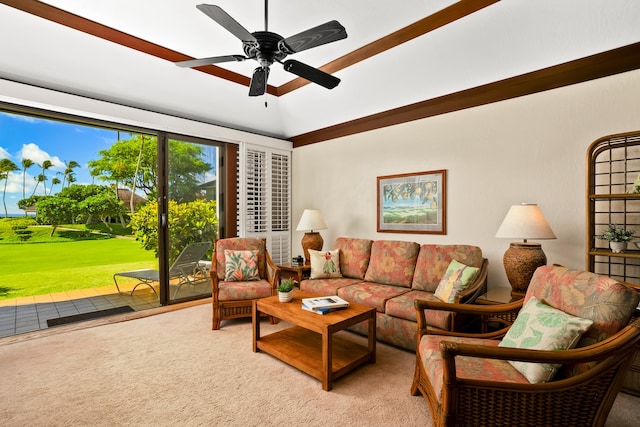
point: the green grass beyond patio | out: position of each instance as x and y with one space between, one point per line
41 268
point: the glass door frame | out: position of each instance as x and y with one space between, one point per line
226 165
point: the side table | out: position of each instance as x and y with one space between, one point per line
295 272
497 295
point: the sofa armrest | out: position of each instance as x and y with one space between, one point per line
477 287
272 272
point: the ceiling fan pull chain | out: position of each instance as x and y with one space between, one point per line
265 99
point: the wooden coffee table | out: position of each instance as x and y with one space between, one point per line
310 345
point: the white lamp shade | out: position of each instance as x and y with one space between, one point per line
525 221
310 220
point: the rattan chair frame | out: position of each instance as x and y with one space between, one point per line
581 400
235 309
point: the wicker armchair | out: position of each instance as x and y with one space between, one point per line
232 299
467 379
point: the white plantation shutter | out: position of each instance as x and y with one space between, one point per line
265 197
256 192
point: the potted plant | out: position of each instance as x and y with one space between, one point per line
617 236
285 290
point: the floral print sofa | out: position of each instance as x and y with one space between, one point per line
390 275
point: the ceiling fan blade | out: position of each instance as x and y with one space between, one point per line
312 74
258 84
225 20
210 60
322 34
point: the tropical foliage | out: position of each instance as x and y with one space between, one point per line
133 163
190 222
6 167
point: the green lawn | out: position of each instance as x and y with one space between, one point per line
42 268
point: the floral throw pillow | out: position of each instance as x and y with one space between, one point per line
325 265
241 266
541 327
455 279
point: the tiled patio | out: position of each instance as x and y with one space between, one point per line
28 314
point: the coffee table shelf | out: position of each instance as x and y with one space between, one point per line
311 344
302 349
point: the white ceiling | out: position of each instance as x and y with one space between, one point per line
505 39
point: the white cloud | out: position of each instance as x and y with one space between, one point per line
14 185
4 154
34 152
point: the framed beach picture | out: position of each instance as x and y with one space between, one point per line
413 203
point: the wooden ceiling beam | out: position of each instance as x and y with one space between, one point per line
104 32
432 22
592 67
439 19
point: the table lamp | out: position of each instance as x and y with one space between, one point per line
521 260
311 220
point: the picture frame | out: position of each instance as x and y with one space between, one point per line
413 202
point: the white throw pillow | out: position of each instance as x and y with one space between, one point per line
325 265
541 327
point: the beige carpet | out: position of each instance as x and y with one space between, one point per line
171 369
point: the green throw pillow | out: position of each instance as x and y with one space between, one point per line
241 266
455 279
541 327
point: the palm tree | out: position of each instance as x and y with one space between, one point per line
6 167
42 177
55 180
69 170
26 164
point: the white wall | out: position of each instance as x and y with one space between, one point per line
529 149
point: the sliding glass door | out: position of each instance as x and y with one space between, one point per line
190 211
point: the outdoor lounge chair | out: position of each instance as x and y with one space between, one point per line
186 269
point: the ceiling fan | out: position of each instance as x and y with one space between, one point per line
267 47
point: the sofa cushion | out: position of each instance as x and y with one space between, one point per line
325 264
354 256
433 261
466 367
403 307
456 279
392 262
370 294
327 286
233 291
540 327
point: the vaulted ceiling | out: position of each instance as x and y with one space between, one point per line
402 60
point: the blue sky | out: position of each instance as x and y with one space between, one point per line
40 140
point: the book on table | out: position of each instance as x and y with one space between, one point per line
321 310
328 302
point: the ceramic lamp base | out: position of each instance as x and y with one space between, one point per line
311 240
520 262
